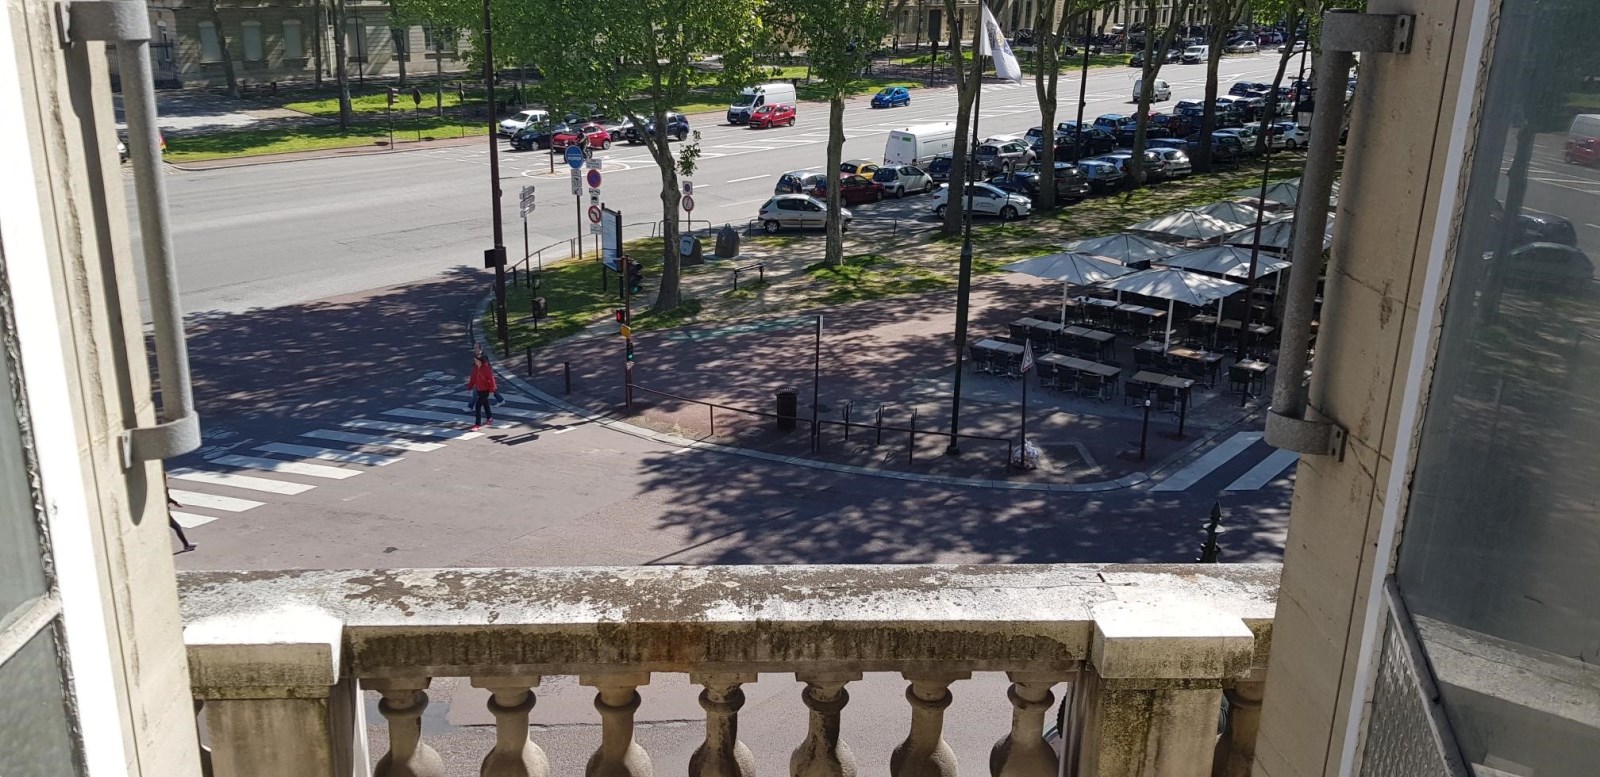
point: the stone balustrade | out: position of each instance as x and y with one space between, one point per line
1143 654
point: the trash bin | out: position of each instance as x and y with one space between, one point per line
727 242
690 251
788 409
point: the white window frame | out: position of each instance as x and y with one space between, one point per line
291 33
212 52
250 38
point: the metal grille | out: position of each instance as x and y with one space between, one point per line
1401 739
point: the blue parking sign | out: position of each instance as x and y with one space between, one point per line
575 157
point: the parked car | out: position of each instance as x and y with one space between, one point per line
772 115
536 136
1125 134
1071 183
986 200
618 129
520 119
1176 126
1242 47
1224 148
1103 176
798 181
1155 169
853 189
1174 54
858 166
1298 46
891 96
1583 151
1194 55
1160 91
900 180
677 128
939 168
1246 135
590 136
1287 134
797 211
993 156
1176 160
1110 121
1249 89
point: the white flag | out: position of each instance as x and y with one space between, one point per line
994 44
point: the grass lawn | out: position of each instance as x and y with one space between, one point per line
375 101
251 142
874 276
571 289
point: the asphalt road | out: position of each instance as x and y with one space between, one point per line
277 234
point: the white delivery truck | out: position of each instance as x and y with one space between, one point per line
918 145
753 97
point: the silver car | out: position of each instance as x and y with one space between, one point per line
900 180
797 211
1177 162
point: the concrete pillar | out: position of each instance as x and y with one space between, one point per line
617 700
514 754
274 700
404 701
1147 704
823 753
925 753
1023 752
722 754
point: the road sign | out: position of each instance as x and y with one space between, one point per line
594 162
594 178
577 183
527 192
627 331
596 229
574 157
594 214
688 204
688 188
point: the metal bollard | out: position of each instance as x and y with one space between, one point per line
530 361
566 368
880 425
847 405
711 415
911 438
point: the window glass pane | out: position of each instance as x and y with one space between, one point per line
252 41
22 575
209 50
33 719
1501 548
291 40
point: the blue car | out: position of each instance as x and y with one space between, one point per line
890 96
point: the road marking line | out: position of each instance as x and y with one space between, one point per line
328 454
427 431
512 412
564 430
1264 472
429 415
522 400
238 481
749 178
373 440
190 520
292 467
1205 465
227 503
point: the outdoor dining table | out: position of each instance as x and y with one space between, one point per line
1181 385
987 344
1207 359
1253 369
1255 329
1081 365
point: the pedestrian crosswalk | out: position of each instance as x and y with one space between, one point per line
244 477
1270 466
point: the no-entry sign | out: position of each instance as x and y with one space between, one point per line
688 204
594 214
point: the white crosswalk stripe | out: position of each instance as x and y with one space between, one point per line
419 429
238 481
500 410
292 467
224 503
373 440
191 520
431 415
1205 465
328 454
1264 472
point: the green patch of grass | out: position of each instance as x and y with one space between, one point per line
748 291
573 299
375 101
775 241
872 276
684 313
278 140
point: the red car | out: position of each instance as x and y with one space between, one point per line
853 190
592 135
1584 151
772 115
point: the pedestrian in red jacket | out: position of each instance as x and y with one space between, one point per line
482 381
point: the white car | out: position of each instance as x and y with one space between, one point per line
987 200
1194 55
1287 134
1299 46
797 211
511 126
1160 92
900 180
1177 162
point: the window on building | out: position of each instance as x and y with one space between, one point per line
210 48
252 41
440 38
291 40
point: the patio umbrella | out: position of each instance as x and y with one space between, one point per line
1189 225
1276 237
1236 212
1071 269
1124 248
1286 193
1174 285
1228 261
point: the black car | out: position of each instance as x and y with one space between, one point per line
1176 126
1071 184
1226 118
1174 54
535 136
1224 148
939 168
677 128
1091 141
1126 132
1249 89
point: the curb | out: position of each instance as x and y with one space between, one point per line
257 160
624 427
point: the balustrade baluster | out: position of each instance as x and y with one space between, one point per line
823 754
617 700
1024 752
206 769
722 754
403 703
1236 748
511 702
925 753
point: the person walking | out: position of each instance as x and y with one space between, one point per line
482 382
173 522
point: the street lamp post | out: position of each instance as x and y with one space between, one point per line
498 253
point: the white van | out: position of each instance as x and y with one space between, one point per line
917 146
754 97
522 119
1194 55
1161 92
1584 126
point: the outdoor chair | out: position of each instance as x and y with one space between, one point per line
1047 374
1134 392
1239 379
1088 385
1010 366
981 360
1043 341
1166 398
1067 380
1019 333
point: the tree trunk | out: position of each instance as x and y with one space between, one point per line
835 246
317 29
1221 12
401 36
438 69
969 80
670 294
1045 77
341 75
222 49
1271 114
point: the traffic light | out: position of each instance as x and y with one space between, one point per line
630 351
393 93
621 315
